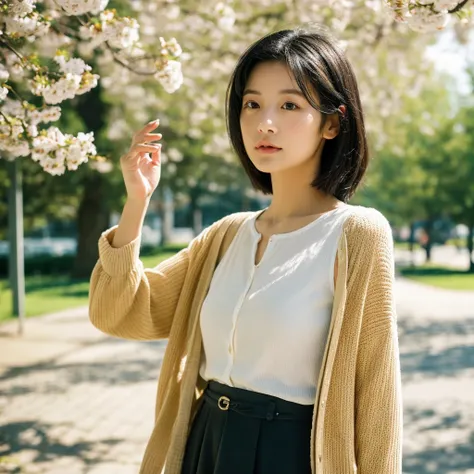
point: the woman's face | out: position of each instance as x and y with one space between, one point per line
275 110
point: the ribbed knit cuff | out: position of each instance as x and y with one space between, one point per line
118 261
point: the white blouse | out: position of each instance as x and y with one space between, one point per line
264 327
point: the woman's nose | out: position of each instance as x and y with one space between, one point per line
267 126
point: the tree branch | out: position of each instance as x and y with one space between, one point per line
6 119
11 48
10 88
127 66
459 6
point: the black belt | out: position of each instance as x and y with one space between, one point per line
273 409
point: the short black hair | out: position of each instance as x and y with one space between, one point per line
318 65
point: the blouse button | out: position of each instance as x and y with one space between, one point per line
320 458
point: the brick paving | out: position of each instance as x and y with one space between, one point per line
75 401
85 408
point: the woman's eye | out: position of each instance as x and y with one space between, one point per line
292 106
249 105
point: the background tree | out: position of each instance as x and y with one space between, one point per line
199 162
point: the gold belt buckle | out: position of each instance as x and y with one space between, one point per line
223 403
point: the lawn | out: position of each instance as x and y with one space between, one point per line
439 276
47 294
406 245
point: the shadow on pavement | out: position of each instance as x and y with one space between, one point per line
420 359
456 456
439 431
112 371
32 437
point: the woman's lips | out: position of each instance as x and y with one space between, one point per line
268 149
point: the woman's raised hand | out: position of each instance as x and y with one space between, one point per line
141 165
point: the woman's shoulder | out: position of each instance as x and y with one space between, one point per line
367 225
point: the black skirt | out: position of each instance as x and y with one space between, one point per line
237 431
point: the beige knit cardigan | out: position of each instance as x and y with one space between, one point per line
357 420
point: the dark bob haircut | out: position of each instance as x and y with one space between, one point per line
319 66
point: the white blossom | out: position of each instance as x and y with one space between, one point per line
12 138
15 69
80 148
170 76
4 74
32 130
57 152
170 47
423 15
48 114
89 81
77 80
30 25
13 108
20 7
50 43
71 66
80 7
172 12
121 33
57 91
424 21
175 155
3 93
226 16
53 165
444 5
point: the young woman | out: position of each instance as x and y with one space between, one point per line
283 349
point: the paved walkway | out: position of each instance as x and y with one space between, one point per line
75 401
441 254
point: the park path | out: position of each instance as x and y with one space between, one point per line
75 401
446 255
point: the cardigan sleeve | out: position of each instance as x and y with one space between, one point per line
378 393
129 301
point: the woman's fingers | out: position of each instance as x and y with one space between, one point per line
149 126
148 137
138 137
138 151
142 148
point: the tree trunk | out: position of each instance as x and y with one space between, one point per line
93 218
470 245
195 211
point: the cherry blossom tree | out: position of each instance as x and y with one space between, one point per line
431 15
43 44
130 54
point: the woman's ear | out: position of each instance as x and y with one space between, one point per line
333 123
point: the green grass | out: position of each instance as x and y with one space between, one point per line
406 245
48 294
440 277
